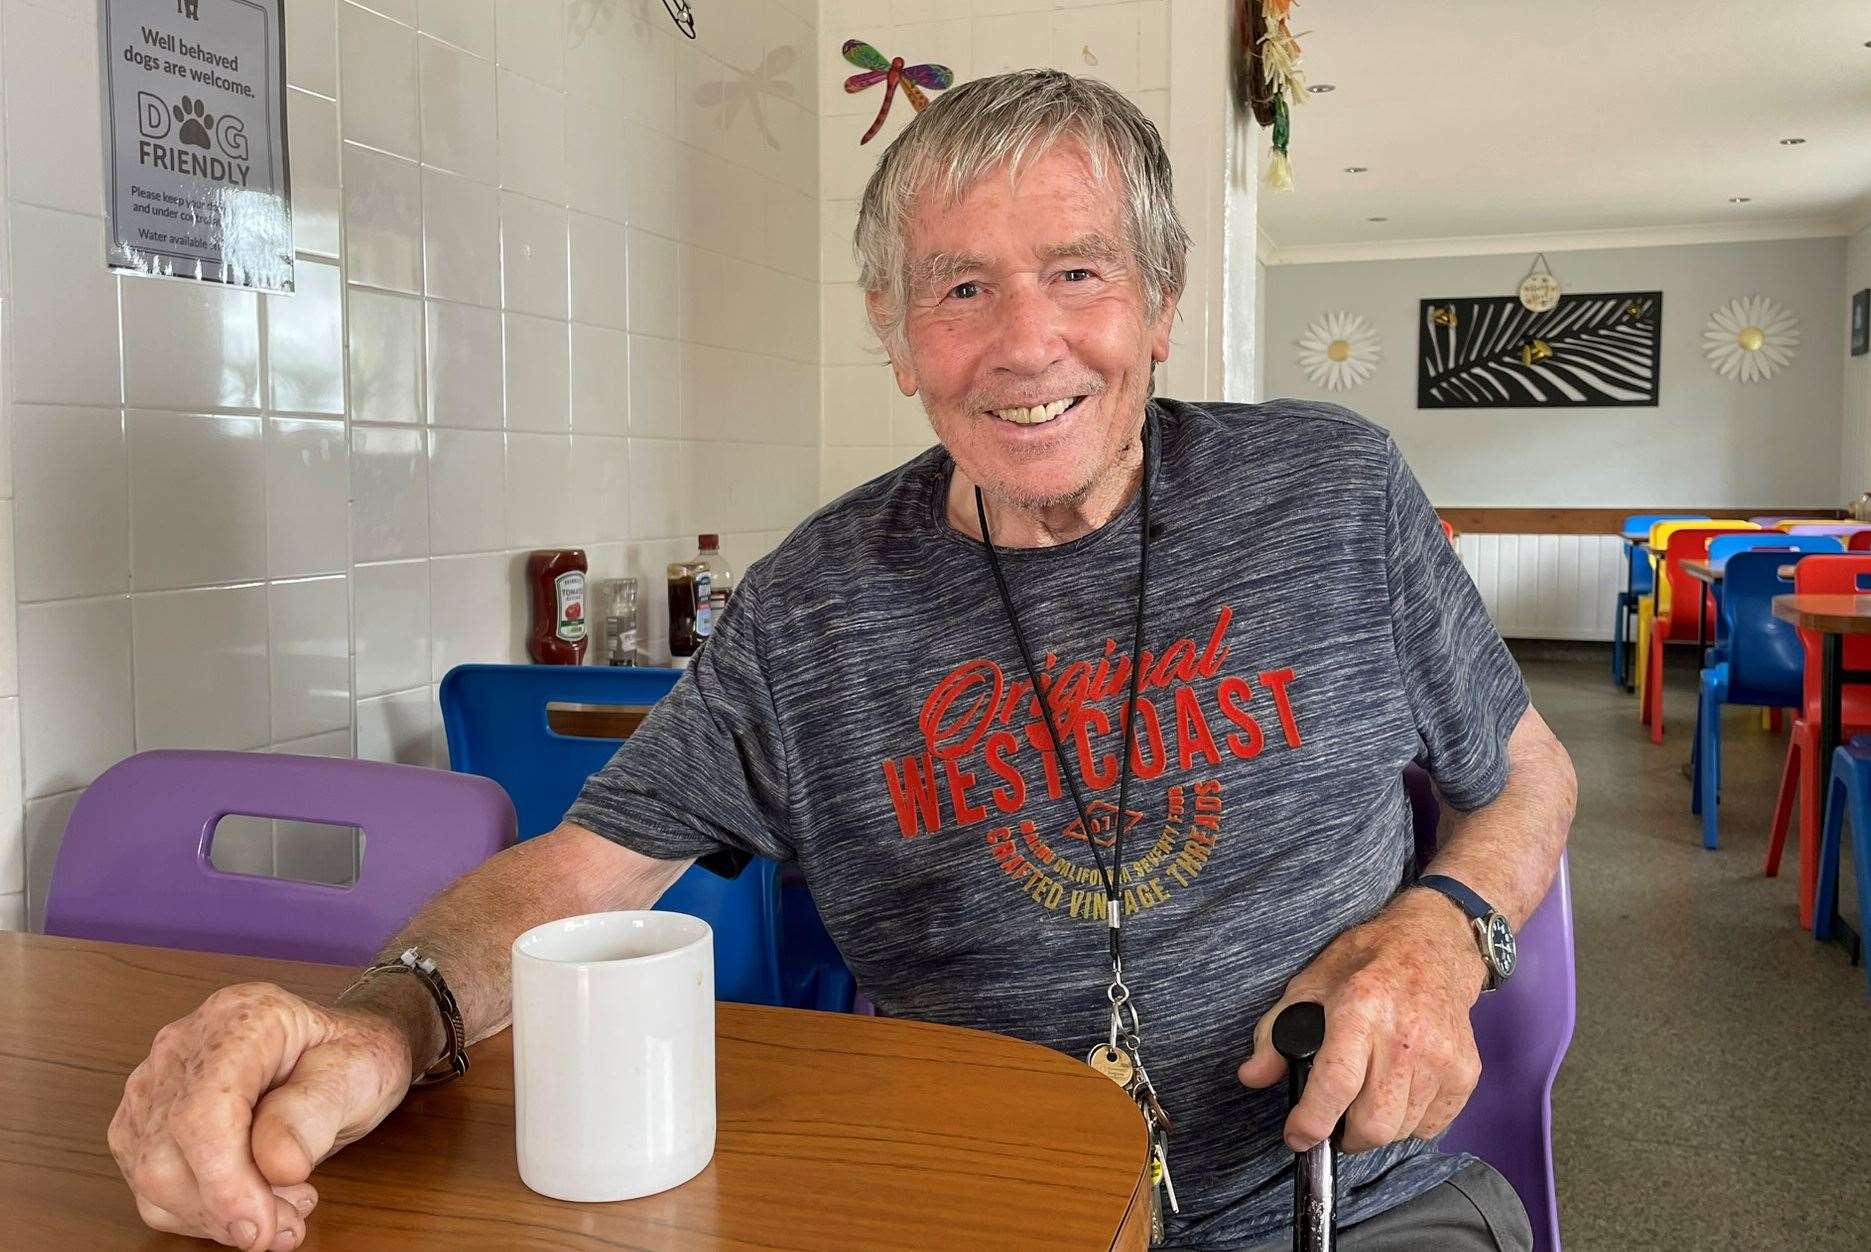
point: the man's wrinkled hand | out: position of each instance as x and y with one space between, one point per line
1399 1058
220 1128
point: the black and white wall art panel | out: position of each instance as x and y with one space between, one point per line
1591 350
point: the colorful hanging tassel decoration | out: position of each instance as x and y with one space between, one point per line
1282 84
1280 169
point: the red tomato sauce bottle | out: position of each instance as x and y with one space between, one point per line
556 578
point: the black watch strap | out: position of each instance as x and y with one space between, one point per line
1465 897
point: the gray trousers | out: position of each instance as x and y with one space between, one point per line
1475 1211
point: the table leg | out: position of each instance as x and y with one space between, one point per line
1832 685
1628 607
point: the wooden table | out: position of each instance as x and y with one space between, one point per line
835 1131
1832 617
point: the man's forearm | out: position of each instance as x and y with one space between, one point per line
1508 850
470 927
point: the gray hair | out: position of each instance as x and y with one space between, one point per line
1010 119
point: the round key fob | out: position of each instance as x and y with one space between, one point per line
1113 1063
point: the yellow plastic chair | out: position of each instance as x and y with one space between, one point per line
1650 606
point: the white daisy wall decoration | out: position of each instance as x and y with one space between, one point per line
1339 351
1751 339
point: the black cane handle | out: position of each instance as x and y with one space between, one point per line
1298 1034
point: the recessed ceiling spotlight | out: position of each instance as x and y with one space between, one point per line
1739 199
1791 143
1377 219
1356 169
1319 89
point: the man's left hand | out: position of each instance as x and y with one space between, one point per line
1399 1057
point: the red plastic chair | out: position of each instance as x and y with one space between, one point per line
1858 541
1676 616
1804 772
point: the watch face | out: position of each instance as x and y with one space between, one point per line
1501 944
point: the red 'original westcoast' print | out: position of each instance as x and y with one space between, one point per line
987 749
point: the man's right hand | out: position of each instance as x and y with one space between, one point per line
221 1126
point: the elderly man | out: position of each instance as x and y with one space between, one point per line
1104 700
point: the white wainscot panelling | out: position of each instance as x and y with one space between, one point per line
1547 586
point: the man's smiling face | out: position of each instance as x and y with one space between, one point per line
1027 333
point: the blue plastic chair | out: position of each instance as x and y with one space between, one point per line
495 716
1761 662
1724 546
1641 582
1848 795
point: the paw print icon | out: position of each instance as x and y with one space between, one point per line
196 122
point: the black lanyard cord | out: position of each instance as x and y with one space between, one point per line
1127 715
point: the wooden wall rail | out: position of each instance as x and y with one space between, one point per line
1592 521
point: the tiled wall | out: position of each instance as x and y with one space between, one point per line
558 285
868 426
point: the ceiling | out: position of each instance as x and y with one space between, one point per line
1494 124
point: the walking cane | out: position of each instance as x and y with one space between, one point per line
1298 1034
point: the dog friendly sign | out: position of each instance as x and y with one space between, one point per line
195 129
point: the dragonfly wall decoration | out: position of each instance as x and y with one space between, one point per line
891 72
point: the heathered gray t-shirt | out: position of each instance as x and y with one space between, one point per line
863 710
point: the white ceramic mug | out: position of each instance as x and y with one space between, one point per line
614 1054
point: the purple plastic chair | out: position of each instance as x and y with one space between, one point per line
134 867
1522 1032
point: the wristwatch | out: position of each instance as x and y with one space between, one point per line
1493 934
411 961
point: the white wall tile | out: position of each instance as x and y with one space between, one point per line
596 174
540 511
655 387
315 852
1097 42
458 131
307 494
659 488
1153 45
594 41
190 345
467 491
201 668
240 844
600 380
309 649
461 239
75 704
465 366
600 486
467 24
599 271
197 500
529 39
312 49
9 609
469 610
389 493
841 469
45 829
317 204
390 603
656 193
531 142
385 357
305 342
64 314
648 73
12 802
13 911
382 220
857 404
1013 41
397 727
52 120
331 743
73 504
655 300
538 373
533 256
377 69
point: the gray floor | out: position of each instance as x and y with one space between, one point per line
1718 1090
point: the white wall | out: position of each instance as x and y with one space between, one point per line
547 298
1710 441
1855 441
868 426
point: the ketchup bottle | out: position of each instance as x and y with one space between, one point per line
557 580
